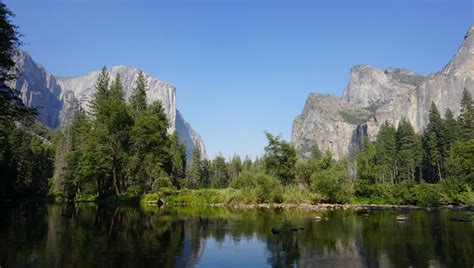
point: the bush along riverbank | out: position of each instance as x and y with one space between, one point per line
260 190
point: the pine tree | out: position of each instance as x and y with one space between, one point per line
433 153
407 147
434 141
205 180
72 180
386 152
234 168
137 99
451 128
466 115
247 164
118 122
219 178
461 162
116 91
101 91
366 167
178 160
150 147
280 159
195 168
112 124
11 105
436 126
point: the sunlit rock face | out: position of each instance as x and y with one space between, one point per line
57 98
373 96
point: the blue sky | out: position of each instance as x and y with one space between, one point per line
242 67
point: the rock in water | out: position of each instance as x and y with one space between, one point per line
461 219
402 217
275 231
373 96
160 202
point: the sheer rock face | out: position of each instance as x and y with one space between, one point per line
187 135
83 88
38 88
374 96
57 98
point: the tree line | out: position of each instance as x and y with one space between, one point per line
399 167
26 156
119 147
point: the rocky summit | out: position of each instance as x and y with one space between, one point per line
57 98
373 96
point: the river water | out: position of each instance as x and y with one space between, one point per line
35 234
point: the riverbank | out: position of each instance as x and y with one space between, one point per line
324 207
234 198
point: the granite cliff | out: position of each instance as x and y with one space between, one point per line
373 96
56 98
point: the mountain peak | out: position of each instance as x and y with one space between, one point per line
463 60
373 96
470 32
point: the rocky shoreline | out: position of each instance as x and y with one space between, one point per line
324 207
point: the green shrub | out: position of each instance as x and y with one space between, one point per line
161 182
258 188
412 193
376 193
294 194
333 185
456 191
426 194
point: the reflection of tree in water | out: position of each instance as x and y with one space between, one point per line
22 230
95 235
425 240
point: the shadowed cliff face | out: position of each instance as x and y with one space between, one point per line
39 88
374 96
190 138
58 98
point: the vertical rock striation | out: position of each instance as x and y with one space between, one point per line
373 96
57 98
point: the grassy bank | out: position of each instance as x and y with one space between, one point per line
418 196
409 194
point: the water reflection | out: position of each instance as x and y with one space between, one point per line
84 235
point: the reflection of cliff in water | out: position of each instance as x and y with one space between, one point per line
34 234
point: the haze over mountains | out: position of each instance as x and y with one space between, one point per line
373 96
57 98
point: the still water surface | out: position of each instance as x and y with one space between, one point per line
35 234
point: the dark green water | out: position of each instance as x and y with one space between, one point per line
86 235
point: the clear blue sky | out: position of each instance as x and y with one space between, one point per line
242 67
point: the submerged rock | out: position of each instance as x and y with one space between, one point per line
461 219
275 230
402 217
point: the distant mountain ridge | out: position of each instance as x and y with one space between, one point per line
57 98
373 96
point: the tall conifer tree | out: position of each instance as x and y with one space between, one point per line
138 97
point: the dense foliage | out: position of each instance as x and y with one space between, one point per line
434 167
118 148
26 150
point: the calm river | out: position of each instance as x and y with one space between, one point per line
36 234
